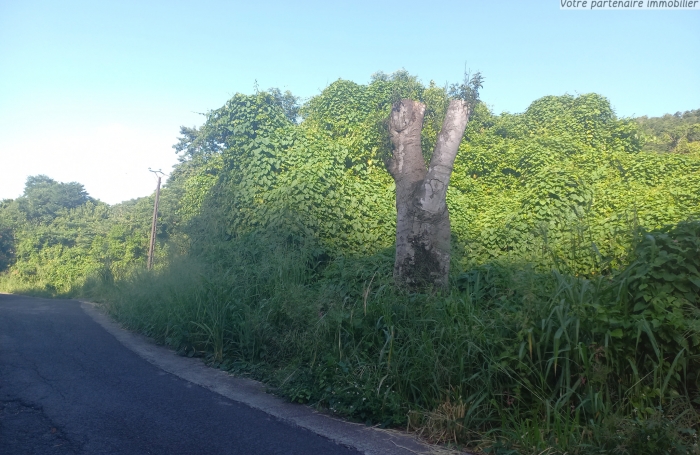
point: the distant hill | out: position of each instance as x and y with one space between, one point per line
672 133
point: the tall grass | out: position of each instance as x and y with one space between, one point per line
509 360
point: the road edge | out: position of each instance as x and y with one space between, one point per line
368 440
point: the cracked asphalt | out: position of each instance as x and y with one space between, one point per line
69 387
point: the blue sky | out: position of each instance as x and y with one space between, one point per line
95 91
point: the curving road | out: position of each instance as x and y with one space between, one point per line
67 386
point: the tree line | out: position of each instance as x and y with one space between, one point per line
562 183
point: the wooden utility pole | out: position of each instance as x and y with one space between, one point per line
154 224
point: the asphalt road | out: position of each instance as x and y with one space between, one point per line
67 386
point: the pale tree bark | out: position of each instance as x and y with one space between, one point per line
422 218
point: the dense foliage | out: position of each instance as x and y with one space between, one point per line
54 236
677 133
572 323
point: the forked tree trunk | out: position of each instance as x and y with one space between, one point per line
422 218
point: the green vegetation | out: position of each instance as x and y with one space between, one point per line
572 321
678 133
54 236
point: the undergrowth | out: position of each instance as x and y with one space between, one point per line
509 360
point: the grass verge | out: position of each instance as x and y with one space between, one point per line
508 361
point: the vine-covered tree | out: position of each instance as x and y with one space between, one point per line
422 217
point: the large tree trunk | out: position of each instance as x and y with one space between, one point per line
422 218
